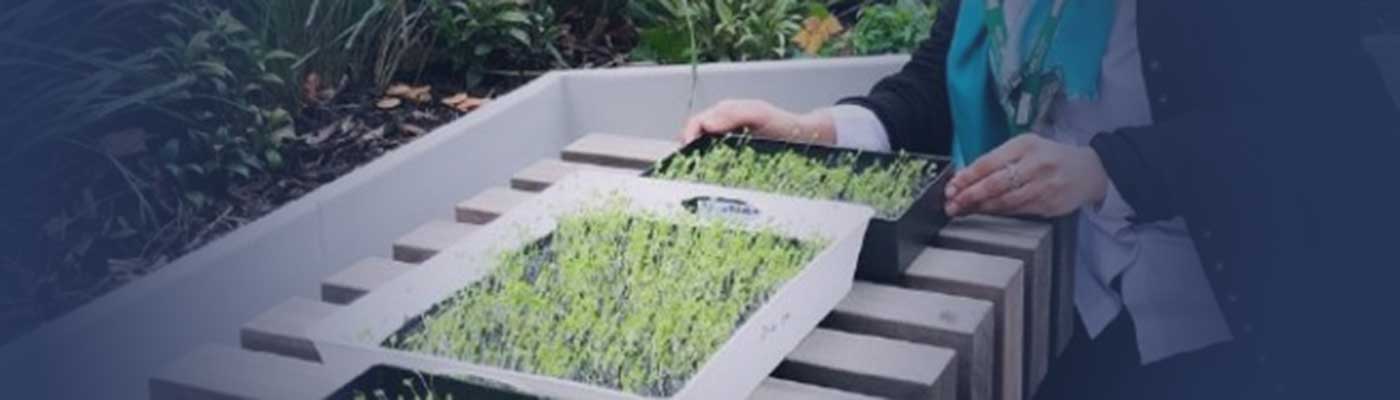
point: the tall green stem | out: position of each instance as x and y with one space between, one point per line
694 56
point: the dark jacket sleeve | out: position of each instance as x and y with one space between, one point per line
1263 95
913 104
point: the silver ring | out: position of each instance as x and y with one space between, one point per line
1015 177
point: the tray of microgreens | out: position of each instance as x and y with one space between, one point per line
905 189
614 287
384 382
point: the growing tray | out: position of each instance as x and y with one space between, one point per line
356 334
399 383
891 243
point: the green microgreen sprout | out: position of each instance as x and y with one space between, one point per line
621 299
889 187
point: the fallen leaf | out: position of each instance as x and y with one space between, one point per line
327 132
415 130
455 100
388 103
470 104
816 31
373 134
398 90
421 94
124 143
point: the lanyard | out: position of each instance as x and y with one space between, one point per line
1030 91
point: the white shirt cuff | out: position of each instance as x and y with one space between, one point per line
859 128
1113 206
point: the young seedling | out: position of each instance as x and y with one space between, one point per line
614 298
890 187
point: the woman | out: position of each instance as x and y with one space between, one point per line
1157 120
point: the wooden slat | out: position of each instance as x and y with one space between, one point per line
489 205
1066 239
1030 242
352 283
959 323
544 173
430 238
872 365
619 151
996 279
781 389
282 330
222 373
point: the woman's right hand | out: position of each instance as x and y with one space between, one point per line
761 118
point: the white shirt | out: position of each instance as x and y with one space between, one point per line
1164 286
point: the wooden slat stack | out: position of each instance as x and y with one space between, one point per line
969 321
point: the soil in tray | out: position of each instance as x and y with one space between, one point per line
612 298
891 187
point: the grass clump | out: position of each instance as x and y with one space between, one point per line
629 301
888 187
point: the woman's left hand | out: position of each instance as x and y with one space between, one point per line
1029 175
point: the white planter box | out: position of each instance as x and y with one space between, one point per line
756 347
116 343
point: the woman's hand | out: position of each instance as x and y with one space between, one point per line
763 120
1029 175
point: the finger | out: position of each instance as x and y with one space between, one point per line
990 187
720 122
691 131
988 164
1015 202
714 120
729 116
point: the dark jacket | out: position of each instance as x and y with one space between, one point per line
1271 136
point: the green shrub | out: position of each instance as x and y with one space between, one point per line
890 28
225 84
721 30
594 9
369 40
62 84
624 300
889 188
479 35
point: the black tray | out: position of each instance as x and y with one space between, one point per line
890 245
391 381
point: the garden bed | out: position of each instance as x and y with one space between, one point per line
154 128
906 190
677 329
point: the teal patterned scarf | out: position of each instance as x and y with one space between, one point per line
1075 55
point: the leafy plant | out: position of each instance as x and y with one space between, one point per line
225 84
62 84
482 34
619 299
889 188
724 30
364 39
889 28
